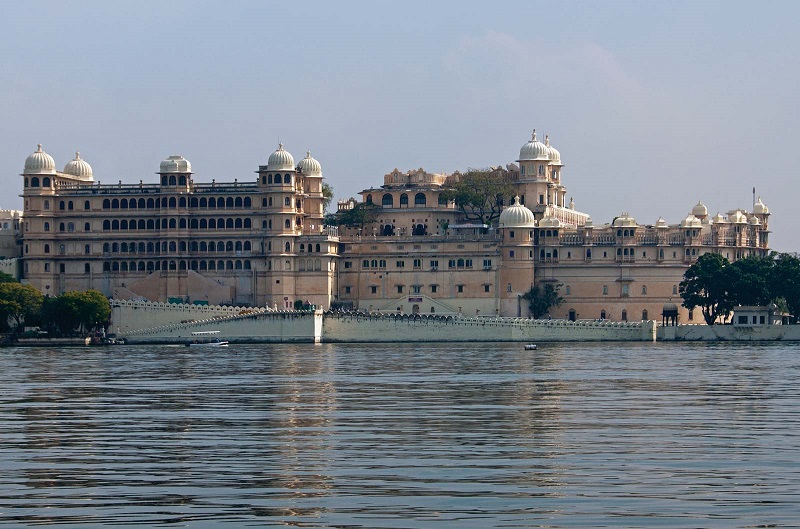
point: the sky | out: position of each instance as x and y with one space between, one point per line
653 105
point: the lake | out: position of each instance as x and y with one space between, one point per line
469 435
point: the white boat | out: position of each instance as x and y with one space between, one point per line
206 339
530 347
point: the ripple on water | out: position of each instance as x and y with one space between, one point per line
402 436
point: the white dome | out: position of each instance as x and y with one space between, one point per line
79 168
625 221
175 164
661 223
552 152
517 216
699 210
754 221
760 208
719 219
534 150
691 222
550 222
40 163
588 223
280 160
309 166
738 218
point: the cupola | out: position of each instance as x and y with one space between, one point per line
534 150
175 164
79 168
39 163
280 160
516 216
309 166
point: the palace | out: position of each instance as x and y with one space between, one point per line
263 242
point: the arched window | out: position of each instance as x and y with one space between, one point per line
674 290
106 225
172 224
182 224
403 200
238 246
172 181
602 314
151 203
288 224
369 199
238 224
288 247
123 224
247 264
229 246
624 315
182 202
220 246
247 246
387 201
172 202
248 224
203 265
419 199
106 204
644 315
46 226
47 248
247 202
644 290
287 179
35 181
605 290
229 202
229 224
114 225
182 180
46 182
287 202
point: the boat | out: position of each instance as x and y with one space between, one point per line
206 339
530 347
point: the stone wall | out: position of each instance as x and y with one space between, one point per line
389 328
731 333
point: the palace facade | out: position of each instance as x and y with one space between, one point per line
263 242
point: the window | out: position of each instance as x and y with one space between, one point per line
486 288
691 315
508 287
568 290
434 264
742 320
47 267
87 249
510 234
487 263
624 315
46 248
417 263
62 268
605 290
86 268
403 200
399 289
373 289
348 265
416 289
434 289
602 314
46 226
420 200
644 290
401 264
644 315
460 289
347 290
625 290
674 289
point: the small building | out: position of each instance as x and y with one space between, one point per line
754 315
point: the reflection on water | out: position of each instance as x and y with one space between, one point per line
402 436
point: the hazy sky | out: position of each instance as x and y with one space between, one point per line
653 105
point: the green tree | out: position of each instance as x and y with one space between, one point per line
60 314
481 193
542 298
7 278
707 284
785 283
360 215
327 193
19 302
94 309
750 281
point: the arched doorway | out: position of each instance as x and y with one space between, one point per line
388 230
419 229
415 309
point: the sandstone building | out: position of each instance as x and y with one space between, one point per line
262 241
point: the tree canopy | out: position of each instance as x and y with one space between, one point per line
706 285
480 194
541 298
359 215
19 302
327 193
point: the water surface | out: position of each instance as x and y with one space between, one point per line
402 436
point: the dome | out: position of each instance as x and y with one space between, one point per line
552 152
661 223
516 216
760 208
719 219
550 222
309 166
79 168
625 221
40 163
699 210
534 150
175 164
738 218
280 160
691 222
754 221
588 223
